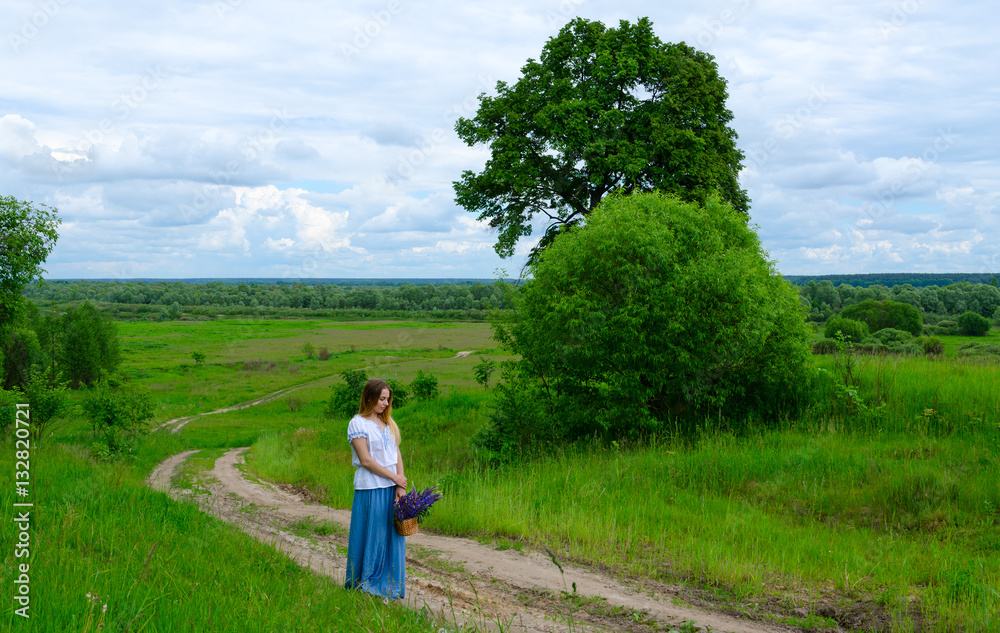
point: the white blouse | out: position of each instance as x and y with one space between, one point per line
382 448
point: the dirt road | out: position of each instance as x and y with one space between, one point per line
461 579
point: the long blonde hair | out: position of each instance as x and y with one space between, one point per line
369 398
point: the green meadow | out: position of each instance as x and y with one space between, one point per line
876 509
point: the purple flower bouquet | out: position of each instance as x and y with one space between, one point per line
412 507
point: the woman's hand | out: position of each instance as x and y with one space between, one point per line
400 481
400 492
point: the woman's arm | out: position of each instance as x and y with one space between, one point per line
360 445
400 490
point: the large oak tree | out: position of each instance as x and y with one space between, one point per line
603 109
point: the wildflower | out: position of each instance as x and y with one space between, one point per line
416 504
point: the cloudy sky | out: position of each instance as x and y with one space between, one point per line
243 138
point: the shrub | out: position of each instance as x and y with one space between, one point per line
308 350
424 386
950 326
46 402
891 336
294 403
872 346
908 349
346 396
930 344
119 415
825 346
936 330
400 392
851 330
879 315
324 353
986 350
973 324
651 310
343 403
520 420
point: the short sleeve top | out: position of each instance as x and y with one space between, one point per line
381 446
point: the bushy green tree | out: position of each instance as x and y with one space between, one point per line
882 314
654 309
346 396
852 331
424 386
20 354
973 324
47 403
344 400
9 399
602 109
120 416
89 347
400 391
27 236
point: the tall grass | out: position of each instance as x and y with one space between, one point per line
924 395
108 553
884 494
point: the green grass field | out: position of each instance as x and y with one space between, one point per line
882 499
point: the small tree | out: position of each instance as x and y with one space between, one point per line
400 392
199 357
424 386
120 417
89 347
19 354
346 396
344 400
484 371
9 399
47 403
973 324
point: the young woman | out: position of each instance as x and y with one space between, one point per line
376 554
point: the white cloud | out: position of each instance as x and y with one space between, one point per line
193 141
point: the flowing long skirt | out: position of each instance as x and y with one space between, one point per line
376 554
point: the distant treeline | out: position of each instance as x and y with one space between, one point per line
468 299
824 300
917 280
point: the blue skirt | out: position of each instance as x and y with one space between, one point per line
376 554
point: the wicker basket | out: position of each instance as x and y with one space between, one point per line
407 527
